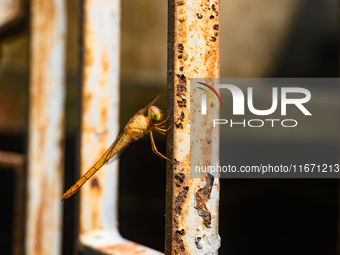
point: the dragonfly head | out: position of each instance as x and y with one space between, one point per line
155 114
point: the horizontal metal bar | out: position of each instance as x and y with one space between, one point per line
11 160
110 242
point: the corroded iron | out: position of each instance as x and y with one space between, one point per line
191 203
45 159
99 127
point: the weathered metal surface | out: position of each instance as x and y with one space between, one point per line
191 204
99 112
9 10
13 17
110 242
15 162
11 160
99 127
45 159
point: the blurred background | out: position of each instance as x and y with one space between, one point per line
263 38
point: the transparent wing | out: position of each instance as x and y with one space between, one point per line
110 152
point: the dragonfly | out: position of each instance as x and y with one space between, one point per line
137 127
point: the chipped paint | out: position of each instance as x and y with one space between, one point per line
193 52
98 226
46 127
99 112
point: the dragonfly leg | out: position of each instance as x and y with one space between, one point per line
154 149
163 131
160 123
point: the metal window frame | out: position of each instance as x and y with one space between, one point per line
193 51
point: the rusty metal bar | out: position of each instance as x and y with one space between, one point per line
45 159
98 225
11 160
9 10
15 162
13 17
191 203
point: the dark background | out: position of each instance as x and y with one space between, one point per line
257 216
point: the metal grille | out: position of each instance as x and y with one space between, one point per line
193 51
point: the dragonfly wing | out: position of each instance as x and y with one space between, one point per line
111 151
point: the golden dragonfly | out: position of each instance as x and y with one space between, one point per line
138 126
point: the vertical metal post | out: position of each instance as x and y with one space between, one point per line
99 112
99 127
191 203
45 159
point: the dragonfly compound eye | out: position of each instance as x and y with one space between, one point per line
155 113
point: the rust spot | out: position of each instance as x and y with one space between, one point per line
176 162
216 26
180 2
178 243
88 58
202 196
216 33
95 183
180 199
199 15
213 7
182 116
179 177
211 17
123 248
213 39
182 85
181 232
181 68
179 125
180 48
182 103
216 13
180 56
105 62
87 101
38 235
182 77
103 115
209 141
